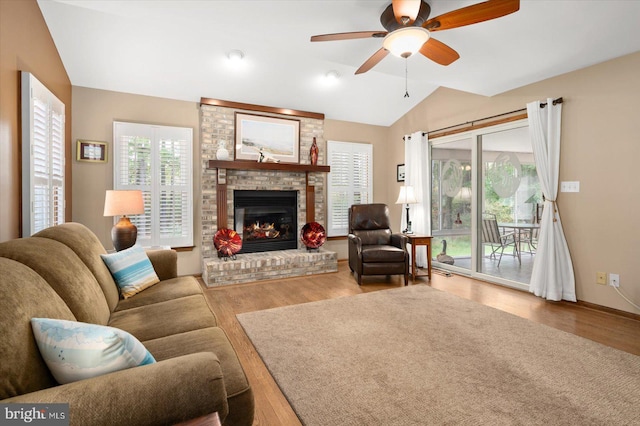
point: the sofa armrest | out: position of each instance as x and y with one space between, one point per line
165 263
167 392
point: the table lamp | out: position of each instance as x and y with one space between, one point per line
121 203
407 196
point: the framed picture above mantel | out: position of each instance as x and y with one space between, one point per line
263 138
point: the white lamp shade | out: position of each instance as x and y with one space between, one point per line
406 41
407 195
119 203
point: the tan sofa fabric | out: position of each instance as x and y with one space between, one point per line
88 248
65 273
22 369
213 339
164 393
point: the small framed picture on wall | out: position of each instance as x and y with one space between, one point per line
91 151
400 173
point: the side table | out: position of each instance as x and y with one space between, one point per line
419 240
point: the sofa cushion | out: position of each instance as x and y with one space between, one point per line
23 295
88 248
165 318
212 339
131 269
76 350
65 273
174 288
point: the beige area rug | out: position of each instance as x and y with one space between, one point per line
420 356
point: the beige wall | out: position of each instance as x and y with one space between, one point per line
378 136
600 149
25 45
94 112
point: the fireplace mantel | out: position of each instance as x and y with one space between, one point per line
254 165
221 187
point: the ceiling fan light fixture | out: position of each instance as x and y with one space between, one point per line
406 41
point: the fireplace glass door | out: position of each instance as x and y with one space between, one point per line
266 220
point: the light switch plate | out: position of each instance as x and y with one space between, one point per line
570 186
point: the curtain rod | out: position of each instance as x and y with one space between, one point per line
542 105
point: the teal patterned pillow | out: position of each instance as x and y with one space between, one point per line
131 269
76 350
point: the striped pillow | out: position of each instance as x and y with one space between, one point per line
131 269
76 350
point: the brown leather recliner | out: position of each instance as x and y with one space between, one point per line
373 248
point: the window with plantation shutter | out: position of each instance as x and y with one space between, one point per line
43 158
349 182
158 160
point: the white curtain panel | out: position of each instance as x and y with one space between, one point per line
552 276
417 166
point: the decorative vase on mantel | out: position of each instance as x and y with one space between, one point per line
313 152
222 153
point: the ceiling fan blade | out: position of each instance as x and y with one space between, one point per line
406 9
373 60
439 52
480 12
348 36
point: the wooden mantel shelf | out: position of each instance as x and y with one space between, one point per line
254 165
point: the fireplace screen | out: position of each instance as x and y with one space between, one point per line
266 220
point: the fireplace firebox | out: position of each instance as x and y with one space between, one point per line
266 220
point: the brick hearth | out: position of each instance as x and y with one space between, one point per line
267 266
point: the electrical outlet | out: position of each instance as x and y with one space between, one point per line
614 280
601 278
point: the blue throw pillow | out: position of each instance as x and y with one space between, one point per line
76 350
131 269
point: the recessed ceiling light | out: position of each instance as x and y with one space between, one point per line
235 55
332 75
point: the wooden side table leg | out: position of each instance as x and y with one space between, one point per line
429 260
413 261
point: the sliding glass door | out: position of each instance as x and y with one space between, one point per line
451 207
485 196
509 194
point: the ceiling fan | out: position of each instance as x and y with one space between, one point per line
409 29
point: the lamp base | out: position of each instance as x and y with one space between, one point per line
124 234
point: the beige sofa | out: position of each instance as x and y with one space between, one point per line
58 273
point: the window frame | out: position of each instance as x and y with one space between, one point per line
152 219
43 157
350 149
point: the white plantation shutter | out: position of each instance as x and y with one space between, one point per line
158 161
43 157
350 182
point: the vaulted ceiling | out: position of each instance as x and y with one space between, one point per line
178 50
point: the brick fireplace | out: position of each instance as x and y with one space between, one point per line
217 126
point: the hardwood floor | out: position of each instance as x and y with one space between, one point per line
272 407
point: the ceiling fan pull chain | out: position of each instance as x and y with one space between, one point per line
406 78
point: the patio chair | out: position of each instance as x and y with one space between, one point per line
492 236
